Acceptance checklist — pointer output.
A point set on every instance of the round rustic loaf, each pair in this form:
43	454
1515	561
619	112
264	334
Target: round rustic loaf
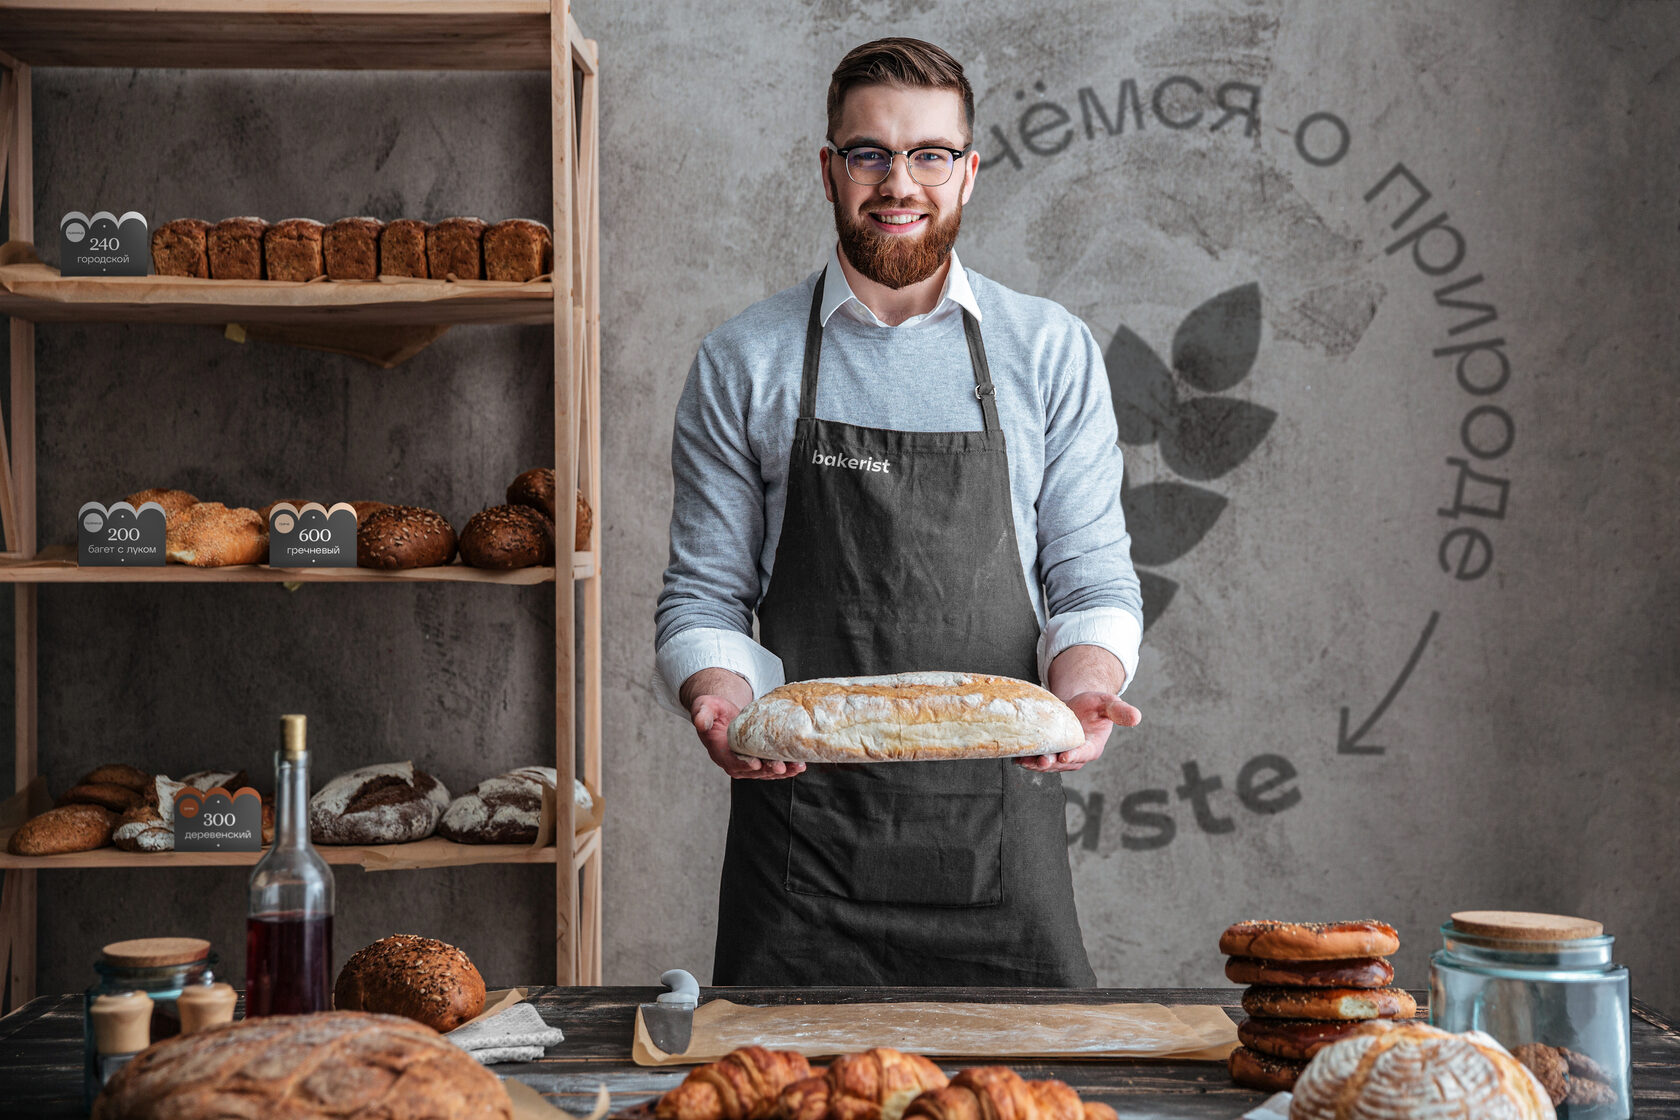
506	809
331	1064
404	537
505	537
69	828
1309	941
904	717
392	803
429	981
1409	1071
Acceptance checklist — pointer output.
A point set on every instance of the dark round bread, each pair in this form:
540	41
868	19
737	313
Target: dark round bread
1297	1039
404	537
1360	972
418	978
391	803
1329	1003
534	488
1309	941
506	537
1262	1071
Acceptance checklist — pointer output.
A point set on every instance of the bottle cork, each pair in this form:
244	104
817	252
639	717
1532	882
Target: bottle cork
292	730
205	1005
122	1024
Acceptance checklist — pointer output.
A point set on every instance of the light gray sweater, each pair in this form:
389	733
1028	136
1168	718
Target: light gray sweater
734	427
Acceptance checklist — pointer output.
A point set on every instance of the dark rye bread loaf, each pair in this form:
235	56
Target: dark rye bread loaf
505	537
235	246
429	981
506	809
181	248
292	249
394	537
454	247
517	249
392	803
350	249
402	249
305	1067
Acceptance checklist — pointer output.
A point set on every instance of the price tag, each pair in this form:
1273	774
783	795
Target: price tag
312	537
218	821
120	535
104	245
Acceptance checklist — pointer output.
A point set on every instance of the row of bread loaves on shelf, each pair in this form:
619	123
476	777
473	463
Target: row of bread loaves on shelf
353	249
519	534
392	803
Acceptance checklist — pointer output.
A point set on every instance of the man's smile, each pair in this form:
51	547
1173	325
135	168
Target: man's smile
898	221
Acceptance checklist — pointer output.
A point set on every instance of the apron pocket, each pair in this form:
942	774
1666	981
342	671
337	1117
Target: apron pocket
922	833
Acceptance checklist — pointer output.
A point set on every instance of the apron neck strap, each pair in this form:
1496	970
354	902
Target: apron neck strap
984	391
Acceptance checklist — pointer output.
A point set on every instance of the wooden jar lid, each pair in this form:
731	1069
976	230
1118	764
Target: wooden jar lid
155	952
1515	925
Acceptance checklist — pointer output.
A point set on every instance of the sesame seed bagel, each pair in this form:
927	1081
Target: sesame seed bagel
1361	972
1328	1003
1309	941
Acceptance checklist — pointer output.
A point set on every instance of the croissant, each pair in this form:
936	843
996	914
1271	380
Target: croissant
863	1086
742	1085
999	1093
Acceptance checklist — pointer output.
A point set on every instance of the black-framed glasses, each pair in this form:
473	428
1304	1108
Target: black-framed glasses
869	166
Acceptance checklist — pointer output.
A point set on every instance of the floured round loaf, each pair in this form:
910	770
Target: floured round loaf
500	810
392	803
904	717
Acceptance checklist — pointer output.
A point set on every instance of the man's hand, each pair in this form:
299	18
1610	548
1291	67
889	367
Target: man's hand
1087	679
713	698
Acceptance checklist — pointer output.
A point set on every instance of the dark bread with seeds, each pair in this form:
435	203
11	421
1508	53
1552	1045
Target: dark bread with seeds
404	537
505	537
429	981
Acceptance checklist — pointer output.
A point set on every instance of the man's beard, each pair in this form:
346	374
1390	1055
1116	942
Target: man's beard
896	261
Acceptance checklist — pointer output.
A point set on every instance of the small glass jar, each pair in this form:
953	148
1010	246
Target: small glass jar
161	968
1564	993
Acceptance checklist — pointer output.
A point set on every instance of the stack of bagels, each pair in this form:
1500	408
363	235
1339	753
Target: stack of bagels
1310	984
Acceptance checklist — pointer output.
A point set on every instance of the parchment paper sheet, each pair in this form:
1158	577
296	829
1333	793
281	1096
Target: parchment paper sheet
955	1030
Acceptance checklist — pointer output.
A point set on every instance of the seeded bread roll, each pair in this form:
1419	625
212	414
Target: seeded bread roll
1333	1004
904	717
517	250
118	773
404	537
174	502
235	248
69	828
211	535
1309	941
118	799
454	247
292	249
505	537
180	248
1363	972
350	249
402	249
418	978
503	810
534	488
391	803
305	1067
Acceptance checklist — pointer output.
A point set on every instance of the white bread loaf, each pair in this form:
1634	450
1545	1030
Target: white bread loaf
904	717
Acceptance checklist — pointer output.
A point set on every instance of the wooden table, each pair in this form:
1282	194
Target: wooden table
41	1052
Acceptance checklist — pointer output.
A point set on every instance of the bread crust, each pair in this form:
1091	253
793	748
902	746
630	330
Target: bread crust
68	828
429	981
1255	1070
1360	972
904	717
1334	1004
1309	941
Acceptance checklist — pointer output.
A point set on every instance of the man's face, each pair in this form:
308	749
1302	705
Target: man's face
898	232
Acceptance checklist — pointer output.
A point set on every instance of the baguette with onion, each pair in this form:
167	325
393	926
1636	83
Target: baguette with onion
905	717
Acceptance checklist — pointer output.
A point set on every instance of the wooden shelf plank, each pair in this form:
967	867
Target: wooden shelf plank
38	293
58	565
431	852
280	34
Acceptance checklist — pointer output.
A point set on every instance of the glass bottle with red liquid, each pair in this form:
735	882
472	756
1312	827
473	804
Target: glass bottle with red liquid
288	927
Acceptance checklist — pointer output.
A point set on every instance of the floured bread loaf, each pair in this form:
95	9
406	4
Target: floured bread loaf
392	803
501	810
905	717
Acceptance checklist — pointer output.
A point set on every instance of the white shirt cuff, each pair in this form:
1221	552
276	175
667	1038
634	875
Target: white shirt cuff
711	647
1116	630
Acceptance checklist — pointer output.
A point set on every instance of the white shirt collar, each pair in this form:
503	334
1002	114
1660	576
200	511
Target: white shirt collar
837	292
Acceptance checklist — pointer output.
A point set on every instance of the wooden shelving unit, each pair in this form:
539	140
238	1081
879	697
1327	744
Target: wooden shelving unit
348	35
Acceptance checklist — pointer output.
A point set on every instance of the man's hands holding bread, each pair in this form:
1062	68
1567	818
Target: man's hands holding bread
911	717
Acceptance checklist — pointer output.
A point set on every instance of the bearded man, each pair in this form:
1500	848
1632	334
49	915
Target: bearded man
886	489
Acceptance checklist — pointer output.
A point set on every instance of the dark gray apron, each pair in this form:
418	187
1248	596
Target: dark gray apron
899	873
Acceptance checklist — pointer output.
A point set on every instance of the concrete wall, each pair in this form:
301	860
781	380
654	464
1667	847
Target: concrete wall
1507	739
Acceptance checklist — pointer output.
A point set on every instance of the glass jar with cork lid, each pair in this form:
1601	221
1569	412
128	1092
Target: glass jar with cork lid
156	968
1546	987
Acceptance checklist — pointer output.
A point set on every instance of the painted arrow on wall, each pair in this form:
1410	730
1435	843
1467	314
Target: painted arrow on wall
1351	744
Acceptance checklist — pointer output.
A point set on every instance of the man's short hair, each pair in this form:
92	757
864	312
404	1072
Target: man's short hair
910	63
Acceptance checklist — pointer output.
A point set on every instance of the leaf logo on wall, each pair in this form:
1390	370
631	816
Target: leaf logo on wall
1202	433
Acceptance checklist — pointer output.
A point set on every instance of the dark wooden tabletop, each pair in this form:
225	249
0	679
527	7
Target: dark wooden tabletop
41	1052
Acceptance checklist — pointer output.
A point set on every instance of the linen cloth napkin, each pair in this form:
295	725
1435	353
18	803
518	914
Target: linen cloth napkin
515	1035
1275	1107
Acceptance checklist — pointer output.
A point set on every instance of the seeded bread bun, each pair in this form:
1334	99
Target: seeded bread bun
505	537
416	977
391	803
1329	1003
69	828
534	488
1309	941
118	773
1362	972
404	537
211	535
